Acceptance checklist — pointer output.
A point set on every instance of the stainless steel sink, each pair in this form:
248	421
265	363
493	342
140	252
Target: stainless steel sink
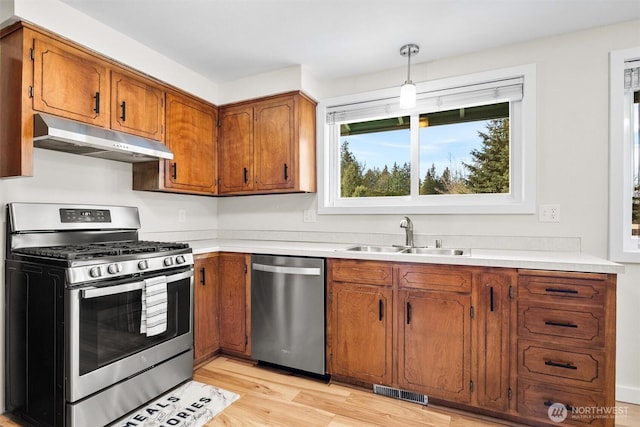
390	249
414	250
437	251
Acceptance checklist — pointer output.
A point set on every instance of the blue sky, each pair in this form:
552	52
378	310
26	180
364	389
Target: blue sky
445	145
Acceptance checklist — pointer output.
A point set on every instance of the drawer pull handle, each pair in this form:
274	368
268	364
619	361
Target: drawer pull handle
560	365
563	325
408	313
491	297
561	291
549	403
380	309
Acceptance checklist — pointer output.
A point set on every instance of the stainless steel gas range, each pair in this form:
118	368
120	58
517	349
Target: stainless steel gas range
97	322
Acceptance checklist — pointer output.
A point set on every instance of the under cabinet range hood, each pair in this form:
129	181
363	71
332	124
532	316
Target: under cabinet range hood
56	133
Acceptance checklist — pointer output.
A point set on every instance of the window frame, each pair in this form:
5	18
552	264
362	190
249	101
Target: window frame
521	199
623	247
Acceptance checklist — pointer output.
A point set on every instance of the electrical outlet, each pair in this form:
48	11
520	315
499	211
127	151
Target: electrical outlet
309	215
549	213
182	215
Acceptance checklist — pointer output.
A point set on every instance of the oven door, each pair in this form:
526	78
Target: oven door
104	342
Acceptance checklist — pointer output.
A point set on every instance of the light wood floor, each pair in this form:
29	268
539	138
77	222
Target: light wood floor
272	398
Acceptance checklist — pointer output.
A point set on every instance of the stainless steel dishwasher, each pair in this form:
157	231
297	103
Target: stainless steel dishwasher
287	312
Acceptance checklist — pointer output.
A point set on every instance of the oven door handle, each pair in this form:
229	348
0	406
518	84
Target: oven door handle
128	287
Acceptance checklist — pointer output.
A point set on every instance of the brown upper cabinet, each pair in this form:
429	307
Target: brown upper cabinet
191	136
137	106
69	83
268	145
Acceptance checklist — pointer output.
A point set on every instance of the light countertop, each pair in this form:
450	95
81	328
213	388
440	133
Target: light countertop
538	260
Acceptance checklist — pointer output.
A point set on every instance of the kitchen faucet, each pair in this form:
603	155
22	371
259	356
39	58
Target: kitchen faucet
408	227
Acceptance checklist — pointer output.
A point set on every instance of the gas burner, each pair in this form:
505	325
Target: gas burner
100	250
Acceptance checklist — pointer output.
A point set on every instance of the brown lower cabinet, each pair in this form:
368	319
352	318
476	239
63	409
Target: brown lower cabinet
206	325
235	303
503	342
360	322
221	305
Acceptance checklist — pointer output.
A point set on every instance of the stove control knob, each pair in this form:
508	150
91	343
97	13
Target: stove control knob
114	268
180	259
168	262
95	272
143	265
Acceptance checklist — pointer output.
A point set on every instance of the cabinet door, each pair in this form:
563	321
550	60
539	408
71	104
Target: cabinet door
234	303
137	107
236	150
274	144
434	344
205	319
191	136
361	332
494	314
69	83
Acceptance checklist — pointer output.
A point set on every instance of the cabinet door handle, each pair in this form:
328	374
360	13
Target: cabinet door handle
408	313
380	309
549	403
123	106
561	324
97	105
202	280
175	171
491	297
561	291
245	175
286	172
560	365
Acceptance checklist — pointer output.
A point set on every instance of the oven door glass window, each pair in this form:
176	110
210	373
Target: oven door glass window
110	325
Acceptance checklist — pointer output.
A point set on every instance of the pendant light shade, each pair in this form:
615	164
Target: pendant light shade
408	95
408	89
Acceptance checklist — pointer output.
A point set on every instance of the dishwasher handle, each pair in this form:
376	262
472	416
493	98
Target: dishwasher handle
279	269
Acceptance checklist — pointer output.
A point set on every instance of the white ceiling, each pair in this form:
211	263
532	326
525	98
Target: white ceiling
228	39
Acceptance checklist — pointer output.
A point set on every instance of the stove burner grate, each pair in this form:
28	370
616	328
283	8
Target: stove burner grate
100	250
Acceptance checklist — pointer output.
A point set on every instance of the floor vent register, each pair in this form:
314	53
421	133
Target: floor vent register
396	393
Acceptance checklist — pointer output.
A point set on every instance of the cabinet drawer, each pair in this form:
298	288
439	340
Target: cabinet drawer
436	278
571	367
569	289
362	272
535	399
557	324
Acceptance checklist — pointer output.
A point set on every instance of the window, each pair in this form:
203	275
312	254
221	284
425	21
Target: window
467	147
624	168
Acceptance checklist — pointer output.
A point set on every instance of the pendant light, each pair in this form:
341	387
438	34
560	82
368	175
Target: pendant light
408	89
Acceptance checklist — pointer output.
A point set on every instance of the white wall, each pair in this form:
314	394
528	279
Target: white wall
572	171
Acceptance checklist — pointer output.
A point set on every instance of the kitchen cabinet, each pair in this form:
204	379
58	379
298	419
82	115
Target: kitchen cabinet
434	328
493	337
235	303
359	318
268	145
236	149
499	341
191	136
566	344
205	300
137	106
69	83
46	73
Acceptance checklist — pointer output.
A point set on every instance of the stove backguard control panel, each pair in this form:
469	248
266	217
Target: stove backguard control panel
85	215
